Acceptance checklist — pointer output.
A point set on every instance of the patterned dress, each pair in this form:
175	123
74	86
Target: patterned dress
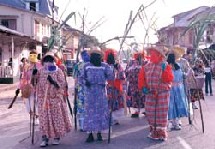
96	114
52	109
194	94
80	98
115	88
137	97
178	104
158	83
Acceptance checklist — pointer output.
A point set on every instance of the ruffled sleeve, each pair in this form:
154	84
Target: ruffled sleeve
141	79
167	75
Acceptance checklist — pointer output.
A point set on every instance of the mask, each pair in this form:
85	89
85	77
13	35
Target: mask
51	67
33	58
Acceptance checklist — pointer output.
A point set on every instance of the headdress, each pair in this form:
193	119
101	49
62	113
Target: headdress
85	56
110	56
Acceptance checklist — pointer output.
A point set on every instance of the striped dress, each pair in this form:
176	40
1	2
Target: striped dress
157	100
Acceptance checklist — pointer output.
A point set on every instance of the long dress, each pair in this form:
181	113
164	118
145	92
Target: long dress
96	114
80	96
52	109
115	88
158	82
137	97
178	105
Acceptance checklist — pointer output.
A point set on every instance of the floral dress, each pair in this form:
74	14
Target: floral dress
96	113
137	97
52	109
115	89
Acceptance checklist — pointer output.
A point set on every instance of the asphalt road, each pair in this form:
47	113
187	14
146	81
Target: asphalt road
130	134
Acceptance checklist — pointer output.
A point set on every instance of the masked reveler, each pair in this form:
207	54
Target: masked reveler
53	114
115	87
95	75
155	80
27	85
80	86
178	104
132	71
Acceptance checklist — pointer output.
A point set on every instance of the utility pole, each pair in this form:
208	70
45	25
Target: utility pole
53	8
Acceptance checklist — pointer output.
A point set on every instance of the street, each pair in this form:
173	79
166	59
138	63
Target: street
130	134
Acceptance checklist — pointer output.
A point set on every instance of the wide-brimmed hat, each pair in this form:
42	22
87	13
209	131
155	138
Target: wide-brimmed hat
96	50
162	49
177	50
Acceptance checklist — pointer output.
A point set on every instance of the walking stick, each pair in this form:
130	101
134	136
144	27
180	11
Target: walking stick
188	100
200	108
156	103
110	116
75	107
14	99
34	109
69	105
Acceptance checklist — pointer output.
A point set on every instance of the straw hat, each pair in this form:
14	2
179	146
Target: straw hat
162	49
179	51
96	50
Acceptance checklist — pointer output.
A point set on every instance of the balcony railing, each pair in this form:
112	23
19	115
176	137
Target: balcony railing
6	70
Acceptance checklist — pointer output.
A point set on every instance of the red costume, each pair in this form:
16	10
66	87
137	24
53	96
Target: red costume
155	80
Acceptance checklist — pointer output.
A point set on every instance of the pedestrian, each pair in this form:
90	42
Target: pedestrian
178	104
137	97
95	75
53	114
196	91
155	80
115	87
80	86
179	52
208	79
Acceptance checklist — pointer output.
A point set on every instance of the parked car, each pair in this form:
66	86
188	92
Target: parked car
70	63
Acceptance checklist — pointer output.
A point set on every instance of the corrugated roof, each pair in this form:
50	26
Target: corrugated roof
186	17
44	5
10	31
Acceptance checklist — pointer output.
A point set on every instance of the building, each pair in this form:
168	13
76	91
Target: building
173	34
29	18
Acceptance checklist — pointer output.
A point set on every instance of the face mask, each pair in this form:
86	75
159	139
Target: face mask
33	58
49	66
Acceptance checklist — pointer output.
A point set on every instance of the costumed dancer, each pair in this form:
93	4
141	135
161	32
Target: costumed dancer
53	114
80	86
115	87
95	75
155	80
178	104
137	97
28	86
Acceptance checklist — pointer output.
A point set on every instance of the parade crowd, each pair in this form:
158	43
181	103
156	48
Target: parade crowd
157	82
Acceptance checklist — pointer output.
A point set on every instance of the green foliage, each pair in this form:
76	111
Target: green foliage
55	38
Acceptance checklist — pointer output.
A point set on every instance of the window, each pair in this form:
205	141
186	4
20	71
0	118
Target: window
9	23
33	6
5	23
37	28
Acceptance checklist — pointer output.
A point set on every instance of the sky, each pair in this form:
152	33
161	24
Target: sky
115	15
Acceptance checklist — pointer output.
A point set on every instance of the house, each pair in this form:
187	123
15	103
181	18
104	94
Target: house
14	42
173	34
31	18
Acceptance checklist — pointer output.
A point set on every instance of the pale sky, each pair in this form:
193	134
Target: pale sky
116	13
